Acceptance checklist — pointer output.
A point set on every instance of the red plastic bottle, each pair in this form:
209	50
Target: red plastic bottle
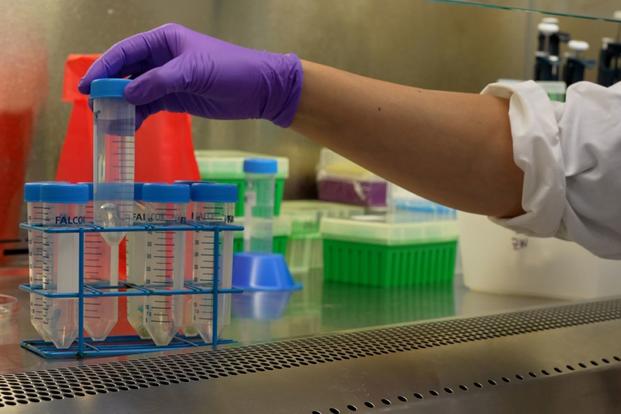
15	138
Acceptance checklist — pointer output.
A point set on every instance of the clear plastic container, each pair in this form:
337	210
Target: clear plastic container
100	314
165	251
135	264
304	248
227	166
62	206
498	260
259	216
113	161
212	203
281	230
34	207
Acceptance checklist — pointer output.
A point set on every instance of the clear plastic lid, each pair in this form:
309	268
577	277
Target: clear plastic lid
225	164
373	229
282	226
326	208
334	165
305	215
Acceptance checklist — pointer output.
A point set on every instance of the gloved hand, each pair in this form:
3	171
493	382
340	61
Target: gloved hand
179	70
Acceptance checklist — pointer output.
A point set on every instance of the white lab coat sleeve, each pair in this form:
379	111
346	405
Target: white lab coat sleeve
571	158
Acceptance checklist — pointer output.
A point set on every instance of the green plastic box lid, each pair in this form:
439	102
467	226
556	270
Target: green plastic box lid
229	164
375	230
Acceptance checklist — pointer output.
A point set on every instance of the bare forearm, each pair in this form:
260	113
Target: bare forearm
452	148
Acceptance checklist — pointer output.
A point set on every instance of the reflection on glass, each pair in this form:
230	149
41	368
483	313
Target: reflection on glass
323	307
260	305
347	306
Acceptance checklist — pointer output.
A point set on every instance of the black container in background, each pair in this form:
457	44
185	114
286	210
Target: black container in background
609	68
545	69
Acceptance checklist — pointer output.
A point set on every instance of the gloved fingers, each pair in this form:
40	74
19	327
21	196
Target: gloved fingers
158	82
135	70
122	57
112	62
177	102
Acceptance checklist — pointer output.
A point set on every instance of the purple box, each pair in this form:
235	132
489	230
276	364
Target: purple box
361	193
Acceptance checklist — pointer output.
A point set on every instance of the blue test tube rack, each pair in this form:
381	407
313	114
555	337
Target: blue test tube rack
128	344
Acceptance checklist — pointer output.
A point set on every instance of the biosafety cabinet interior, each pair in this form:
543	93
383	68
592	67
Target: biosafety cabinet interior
341	343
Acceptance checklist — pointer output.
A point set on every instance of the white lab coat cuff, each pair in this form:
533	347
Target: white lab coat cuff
537	152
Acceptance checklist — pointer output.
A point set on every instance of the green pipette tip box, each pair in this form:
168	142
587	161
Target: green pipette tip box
389	254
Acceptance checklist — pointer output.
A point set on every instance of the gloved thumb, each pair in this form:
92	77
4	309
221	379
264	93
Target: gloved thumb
156	83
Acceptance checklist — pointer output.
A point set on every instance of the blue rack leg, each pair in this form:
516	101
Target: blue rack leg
114	346
81	294
216	286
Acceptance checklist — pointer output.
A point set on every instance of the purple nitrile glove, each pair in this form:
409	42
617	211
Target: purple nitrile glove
179	70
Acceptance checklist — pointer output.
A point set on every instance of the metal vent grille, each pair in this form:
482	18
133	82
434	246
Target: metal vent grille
72	382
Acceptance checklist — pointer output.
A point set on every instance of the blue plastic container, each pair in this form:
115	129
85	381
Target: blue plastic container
262	272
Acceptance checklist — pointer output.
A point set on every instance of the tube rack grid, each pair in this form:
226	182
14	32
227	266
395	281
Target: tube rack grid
128	344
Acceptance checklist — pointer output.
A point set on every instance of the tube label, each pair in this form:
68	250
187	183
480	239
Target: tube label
69	220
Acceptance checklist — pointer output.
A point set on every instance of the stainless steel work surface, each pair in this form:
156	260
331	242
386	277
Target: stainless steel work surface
557	359
339	348
561	358
263	317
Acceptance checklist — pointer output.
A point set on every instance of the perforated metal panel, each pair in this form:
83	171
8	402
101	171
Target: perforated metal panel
74	382
481	384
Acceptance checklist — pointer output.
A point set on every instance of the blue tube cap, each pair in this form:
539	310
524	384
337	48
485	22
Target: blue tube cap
138	191
64	193
108	88
32	192
260	166
262	271
214	192
90	189
166	193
